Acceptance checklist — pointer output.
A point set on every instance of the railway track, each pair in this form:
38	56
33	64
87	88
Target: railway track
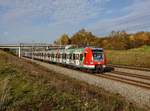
139	92
117	76
129	67
132	75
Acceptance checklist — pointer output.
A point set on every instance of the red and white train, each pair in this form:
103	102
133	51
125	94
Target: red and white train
90	59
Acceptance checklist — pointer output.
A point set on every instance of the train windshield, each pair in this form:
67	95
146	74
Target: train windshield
97	55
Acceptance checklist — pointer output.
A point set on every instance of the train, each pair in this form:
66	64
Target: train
87	59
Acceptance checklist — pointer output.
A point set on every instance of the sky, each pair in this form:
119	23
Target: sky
27	21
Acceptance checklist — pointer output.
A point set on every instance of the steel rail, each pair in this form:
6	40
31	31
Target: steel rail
123	80
129	67
127	81
131	75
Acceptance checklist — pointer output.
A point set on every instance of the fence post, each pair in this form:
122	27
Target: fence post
19	52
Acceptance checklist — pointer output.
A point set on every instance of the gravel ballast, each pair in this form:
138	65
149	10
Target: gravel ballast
134	94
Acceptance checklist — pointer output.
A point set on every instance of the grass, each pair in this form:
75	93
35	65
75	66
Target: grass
139	57
25	86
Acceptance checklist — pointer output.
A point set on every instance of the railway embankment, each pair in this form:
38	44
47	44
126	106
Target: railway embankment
133	93
25	85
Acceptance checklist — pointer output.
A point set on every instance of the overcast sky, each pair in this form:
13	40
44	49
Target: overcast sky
46	20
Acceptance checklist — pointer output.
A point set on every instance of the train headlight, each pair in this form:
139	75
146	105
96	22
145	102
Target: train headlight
104	66
91	62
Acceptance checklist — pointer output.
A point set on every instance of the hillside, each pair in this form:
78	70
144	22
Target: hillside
27	86
134	57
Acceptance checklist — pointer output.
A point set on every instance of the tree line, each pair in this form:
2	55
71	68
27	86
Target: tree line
118	40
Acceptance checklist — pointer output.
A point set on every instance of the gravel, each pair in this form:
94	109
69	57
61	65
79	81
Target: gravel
132	93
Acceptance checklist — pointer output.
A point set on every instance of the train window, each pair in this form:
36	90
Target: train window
98	56
48	55
64	56
84	54
77	56
59	55
52	55
73	56
70	56
81	57
97	51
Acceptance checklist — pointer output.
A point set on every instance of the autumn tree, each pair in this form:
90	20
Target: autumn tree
63	40
83	38
117	40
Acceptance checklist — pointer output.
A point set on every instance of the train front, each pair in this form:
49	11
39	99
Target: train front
94	59
99	59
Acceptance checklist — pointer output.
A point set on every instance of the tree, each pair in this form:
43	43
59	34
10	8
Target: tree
63	40
139	39
83	38
117	40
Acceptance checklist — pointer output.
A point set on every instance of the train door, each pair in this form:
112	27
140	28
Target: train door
81	59
54	57
68	58
48	56
77	59
64	57
60	59
57	57
72	58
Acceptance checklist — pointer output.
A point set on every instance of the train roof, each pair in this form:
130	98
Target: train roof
97	48
77	49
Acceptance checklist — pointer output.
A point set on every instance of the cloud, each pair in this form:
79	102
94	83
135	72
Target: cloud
25	19
53	10
136	19
45	20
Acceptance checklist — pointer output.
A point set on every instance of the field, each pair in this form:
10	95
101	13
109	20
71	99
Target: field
135	57
25	86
